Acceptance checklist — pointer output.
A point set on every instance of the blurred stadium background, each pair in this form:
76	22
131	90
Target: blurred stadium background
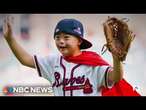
34	32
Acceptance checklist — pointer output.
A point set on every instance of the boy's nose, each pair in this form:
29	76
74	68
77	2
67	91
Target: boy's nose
61	41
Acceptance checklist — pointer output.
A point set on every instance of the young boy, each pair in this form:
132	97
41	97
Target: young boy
74	72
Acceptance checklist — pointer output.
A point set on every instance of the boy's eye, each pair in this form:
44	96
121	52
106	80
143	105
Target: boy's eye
57	37
66	36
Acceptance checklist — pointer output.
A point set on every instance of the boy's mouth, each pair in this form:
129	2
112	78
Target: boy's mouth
62	47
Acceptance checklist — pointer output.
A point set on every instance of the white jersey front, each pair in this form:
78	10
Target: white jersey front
70	79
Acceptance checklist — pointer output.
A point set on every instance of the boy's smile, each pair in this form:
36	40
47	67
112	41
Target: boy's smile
67	44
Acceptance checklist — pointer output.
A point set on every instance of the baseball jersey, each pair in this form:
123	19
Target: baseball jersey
70	79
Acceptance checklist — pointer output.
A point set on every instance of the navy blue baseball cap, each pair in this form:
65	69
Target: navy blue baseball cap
72	27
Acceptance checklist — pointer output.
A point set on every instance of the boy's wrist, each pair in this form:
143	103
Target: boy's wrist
8	38
116	58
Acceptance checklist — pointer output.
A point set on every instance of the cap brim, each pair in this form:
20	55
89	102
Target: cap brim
85	44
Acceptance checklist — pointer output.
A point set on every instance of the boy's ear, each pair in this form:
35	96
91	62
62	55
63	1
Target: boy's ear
80	41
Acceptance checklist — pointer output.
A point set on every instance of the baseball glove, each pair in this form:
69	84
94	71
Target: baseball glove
118	37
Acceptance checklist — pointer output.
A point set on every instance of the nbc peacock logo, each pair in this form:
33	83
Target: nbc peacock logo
8	91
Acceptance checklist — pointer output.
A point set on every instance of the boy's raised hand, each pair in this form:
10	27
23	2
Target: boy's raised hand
7	27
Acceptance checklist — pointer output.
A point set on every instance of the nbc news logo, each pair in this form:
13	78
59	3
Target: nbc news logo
24	90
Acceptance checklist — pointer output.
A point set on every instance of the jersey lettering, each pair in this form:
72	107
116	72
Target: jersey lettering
66	82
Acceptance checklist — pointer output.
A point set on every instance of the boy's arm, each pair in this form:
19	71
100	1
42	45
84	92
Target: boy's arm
24	57
117	73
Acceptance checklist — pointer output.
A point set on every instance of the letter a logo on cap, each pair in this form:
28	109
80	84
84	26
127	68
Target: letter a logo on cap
78	30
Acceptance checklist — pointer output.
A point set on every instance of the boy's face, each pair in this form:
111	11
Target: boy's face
67	44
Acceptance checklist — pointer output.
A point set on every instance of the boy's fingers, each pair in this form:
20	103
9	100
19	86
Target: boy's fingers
5	28
7	25
9	19
12	19
4	25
